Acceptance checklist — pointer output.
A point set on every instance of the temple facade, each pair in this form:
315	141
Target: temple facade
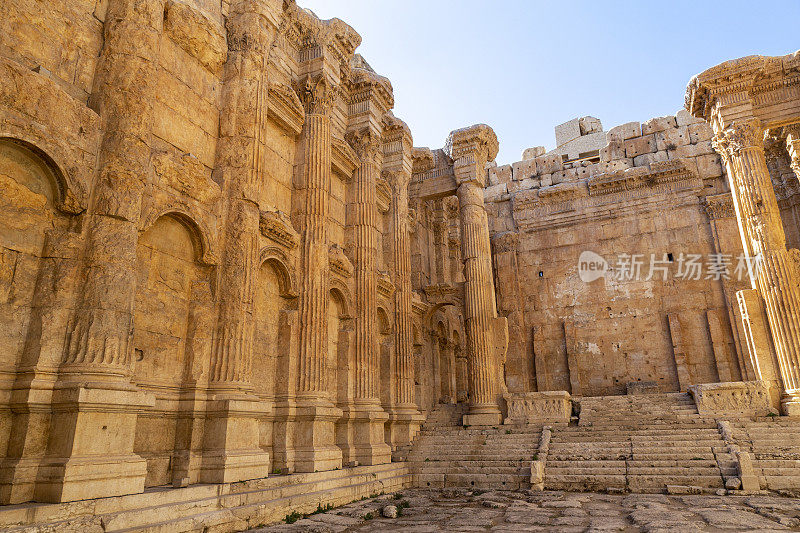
222	258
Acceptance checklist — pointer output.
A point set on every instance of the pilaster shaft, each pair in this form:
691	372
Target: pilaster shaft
315	286
404	380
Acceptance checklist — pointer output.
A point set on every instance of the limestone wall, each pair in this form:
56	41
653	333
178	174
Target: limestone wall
657	189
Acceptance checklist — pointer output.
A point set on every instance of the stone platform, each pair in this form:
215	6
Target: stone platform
219	507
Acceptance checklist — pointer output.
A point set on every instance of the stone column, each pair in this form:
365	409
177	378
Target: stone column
90	450
368	416
316	414
776	280
470	148
440	234
231	449
404	415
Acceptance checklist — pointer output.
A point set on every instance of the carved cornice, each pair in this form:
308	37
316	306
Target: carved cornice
367	87
719	206
423	159
759	80
344	160
603	195
277	226
418	306
285	109
340	265
384	283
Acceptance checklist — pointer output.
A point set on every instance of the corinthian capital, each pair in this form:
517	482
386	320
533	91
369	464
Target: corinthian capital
470	148
317	94
740	135
365	142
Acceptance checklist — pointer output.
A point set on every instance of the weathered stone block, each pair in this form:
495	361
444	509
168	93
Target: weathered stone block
737	398
654	125
625	131
535	407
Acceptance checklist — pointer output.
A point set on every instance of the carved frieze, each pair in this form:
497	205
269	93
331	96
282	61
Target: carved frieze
719	206
385	285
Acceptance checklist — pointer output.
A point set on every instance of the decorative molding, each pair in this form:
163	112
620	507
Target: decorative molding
383	194
285	109
344	160
384	282
340	265
277	226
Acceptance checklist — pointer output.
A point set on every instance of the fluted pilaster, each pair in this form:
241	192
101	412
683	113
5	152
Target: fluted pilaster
364	222
404	379
315	286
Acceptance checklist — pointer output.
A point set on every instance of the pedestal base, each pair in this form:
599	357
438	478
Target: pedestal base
403	425
790	403
230	441
90	453
483	415
314	438
368	437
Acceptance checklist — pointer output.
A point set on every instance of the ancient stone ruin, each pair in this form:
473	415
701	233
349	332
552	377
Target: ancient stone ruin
231	287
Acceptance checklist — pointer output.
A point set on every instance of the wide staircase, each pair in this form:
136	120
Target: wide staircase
774	443
446	454
638	443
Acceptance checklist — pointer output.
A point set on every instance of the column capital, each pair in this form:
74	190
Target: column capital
317	93
739	135
470	149
365	141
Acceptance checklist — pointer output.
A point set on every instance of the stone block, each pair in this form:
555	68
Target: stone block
624	132
640	145
523	169
671	139
548	164
709	166
532	153
654	125
684	118
612	151
700	132
648	159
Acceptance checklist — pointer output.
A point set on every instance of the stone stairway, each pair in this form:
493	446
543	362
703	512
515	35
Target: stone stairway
448	455
638	443
774	443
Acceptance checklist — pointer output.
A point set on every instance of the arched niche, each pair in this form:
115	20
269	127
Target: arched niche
172	307
32	192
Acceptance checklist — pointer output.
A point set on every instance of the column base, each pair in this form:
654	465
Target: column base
315	437
230	440
368	435
404	424
90	453
483	415
790	403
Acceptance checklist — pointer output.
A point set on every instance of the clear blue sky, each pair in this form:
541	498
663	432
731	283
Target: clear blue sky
525	66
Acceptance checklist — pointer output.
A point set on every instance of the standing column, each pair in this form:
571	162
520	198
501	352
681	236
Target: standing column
369	418
231	449
316	414
763	236
470	150
404	416
440	242
90	450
